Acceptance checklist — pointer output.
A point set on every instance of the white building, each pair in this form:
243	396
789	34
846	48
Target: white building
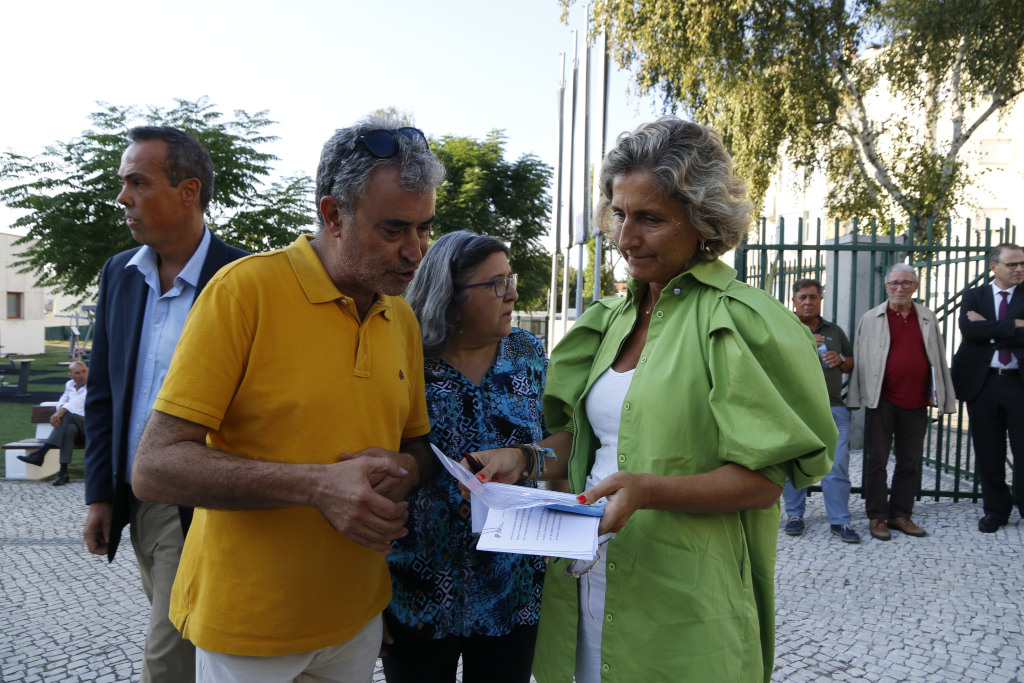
26	310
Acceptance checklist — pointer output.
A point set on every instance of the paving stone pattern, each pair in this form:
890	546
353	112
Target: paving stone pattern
943	608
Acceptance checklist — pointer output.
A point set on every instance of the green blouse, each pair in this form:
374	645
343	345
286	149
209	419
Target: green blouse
727	375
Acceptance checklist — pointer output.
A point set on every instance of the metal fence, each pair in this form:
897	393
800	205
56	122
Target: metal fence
949	260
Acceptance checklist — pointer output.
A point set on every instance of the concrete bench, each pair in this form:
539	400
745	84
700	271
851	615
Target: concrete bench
16	469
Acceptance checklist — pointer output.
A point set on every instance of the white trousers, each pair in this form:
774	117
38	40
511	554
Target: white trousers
348	662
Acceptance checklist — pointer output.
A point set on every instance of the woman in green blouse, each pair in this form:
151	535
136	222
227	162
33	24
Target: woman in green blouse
685	405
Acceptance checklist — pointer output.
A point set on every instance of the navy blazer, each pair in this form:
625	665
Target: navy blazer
119	314
982	338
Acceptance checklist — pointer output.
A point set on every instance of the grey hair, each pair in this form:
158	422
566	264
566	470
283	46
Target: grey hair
900	266
997	251
345	167
435	293
808	282
689	163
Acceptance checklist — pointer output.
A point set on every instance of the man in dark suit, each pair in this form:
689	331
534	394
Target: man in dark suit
987	375
145	296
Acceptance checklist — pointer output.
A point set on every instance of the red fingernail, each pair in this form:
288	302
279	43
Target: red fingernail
581	498
481	476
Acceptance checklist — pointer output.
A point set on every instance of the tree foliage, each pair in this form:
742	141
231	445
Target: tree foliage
487	194
607	274
68	192
882	94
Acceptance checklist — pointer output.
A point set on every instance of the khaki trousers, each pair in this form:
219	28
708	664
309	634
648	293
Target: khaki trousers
157	539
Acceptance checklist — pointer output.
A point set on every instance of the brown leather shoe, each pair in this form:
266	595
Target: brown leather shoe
907	526
878	530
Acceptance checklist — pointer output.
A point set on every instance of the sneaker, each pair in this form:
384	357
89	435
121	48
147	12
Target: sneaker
795	526
846	533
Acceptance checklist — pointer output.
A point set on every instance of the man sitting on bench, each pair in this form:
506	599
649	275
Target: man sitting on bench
68	422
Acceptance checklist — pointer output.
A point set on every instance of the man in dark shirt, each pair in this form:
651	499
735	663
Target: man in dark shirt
836	360
901	370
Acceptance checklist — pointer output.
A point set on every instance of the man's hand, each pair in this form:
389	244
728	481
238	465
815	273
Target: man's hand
975	317
347	499
393	488
55	418
97	527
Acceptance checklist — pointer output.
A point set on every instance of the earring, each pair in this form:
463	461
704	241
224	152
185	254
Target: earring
703	246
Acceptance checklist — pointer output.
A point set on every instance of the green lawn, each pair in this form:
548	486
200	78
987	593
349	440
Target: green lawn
15	418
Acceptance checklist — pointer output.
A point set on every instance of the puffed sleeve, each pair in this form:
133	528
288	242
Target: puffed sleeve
768	392
571	362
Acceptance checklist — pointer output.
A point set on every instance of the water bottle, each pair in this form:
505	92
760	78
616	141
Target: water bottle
822	350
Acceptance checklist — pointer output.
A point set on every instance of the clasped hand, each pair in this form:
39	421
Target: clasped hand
360	497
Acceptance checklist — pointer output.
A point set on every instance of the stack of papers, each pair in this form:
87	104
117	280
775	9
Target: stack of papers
528	521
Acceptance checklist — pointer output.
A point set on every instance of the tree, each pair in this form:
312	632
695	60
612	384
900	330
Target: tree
607	273
800	75
74	224
486	194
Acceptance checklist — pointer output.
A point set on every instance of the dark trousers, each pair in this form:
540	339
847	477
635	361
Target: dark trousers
485	659
998	411
63	436
890	427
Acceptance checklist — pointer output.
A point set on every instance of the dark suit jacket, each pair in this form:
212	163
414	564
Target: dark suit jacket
982	338
115	347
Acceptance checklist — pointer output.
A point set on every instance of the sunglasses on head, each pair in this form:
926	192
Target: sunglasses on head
383	143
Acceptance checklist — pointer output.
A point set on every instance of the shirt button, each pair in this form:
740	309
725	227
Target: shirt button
611	566
609	618
344	302
643	359
622	458
625	406
605	667
661	314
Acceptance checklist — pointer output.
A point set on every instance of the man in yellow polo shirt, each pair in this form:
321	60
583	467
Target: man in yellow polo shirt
292	417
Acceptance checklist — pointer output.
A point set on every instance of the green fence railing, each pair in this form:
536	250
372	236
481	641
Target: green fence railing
851	259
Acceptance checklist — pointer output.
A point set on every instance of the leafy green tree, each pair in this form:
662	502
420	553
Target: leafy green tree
810	78
68	192
487	194
607	275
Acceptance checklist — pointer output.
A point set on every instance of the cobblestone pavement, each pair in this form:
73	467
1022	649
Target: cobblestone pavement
943	608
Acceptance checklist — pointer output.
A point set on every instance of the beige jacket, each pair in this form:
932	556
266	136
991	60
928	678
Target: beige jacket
871	349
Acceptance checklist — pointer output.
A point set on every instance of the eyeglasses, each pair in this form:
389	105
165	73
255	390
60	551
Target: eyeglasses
1012	266
383	143
500	284
578	568
900	284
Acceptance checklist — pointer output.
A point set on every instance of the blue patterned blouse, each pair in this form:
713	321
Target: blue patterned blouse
442	585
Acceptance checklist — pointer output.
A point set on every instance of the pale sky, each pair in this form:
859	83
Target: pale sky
461	67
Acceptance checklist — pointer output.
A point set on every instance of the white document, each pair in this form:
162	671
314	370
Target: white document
540	531
517	519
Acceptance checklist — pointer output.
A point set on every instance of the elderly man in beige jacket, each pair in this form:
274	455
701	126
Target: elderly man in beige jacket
901	370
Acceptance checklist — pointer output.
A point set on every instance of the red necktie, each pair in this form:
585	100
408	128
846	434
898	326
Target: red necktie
1004	354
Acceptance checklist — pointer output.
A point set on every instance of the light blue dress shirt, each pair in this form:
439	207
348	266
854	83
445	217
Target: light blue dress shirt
161	327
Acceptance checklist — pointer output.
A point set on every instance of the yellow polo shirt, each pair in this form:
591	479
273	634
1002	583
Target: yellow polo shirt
275	361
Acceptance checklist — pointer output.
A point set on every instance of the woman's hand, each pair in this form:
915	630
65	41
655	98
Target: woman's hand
504	465
626	492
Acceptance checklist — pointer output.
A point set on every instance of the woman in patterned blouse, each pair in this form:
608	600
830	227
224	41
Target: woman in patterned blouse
484	380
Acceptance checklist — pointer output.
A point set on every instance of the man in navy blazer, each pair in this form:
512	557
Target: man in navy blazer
987	375
145	295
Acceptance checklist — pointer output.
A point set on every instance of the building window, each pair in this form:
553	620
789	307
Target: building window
14	311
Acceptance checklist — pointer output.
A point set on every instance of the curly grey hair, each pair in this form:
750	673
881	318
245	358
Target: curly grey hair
689	163
435	293
345	167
